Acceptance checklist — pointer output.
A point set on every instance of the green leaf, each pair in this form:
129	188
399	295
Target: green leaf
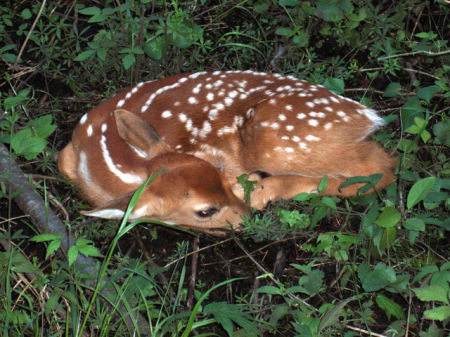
89	250
269	290
331	316
379	278
42	126
390	307
85	55
329	202
72	254
13	101
227	314
335	85
261	6
426	270
333	10
128	61
52	247
388	218
419	191
427	93
26	14
284	3
46	237
283	31
155	47
392	90
442	131
23	143
323	184
440	313
414	225
90	11
432	293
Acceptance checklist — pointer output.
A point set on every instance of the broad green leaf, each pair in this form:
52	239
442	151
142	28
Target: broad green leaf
284	3
155	47
42	126
427	93
442	131
89	250
432	293
390	307
9	102
414	225
388	218
379	278
335	85
26	14
392	90
426	270
261	6
333	10
419	191
387	238
440	313
128	61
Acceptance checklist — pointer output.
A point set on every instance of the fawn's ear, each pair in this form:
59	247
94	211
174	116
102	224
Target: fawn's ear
115	209
139	134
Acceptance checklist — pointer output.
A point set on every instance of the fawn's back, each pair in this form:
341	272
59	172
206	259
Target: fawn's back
205	129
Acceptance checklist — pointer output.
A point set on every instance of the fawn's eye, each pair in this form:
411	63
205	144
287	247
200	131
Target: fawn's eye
206	213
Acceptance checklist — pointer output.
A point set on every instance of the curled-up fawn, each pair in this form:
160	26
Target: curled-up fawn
207	128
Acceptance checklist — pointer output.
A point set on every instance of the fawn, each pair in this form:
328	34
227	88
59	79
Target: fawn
207	128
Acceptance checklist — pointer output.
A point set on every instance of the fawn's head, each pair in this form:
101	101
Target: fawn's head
188	191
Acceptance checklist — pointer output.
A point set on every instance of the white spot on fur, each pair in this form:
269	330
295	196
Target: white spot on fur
289	127
192	100
166	114
328	126
83	119
182	117
281	117
213	114
301	115
104	127
121	103
311	138
228	101
89	131
313	122
210	96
